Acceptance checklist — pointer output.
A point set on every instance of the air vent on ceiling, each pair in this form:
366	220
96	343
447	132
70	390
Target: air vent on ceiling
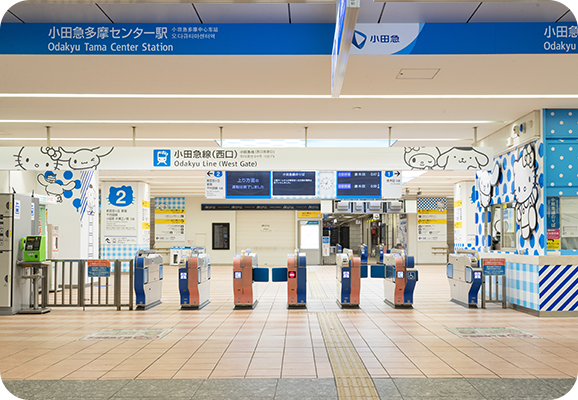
417	73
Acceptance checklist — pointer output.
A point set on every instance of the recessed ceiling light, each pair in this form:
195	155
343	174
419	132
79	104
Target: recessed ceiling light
357	108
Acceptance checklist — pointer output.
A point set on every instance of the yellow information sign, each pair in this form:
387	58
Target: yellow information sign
309	214
146	225
146	204
457	203
458	225
553	244
169	221
431	211
432	221
170	211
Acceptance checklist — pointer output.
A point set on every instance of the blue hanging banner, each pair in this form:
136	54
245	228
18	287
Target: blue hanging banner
287	39
169	39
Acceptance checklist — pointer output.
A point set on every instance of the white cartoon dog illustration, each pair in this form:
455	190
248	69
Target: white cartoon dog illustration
526	191
462	158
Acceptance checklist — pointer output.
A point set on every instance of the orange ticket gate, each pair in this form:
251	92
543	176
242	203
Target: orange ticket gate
194	282
245	273
296	277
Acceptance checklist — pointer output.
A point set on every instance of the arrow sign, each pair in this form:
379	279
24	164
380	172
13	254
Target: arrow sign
391	188
215	185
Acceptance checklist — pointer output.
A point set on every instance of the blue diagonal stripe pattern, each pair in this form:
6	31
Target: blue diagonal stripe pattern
558	287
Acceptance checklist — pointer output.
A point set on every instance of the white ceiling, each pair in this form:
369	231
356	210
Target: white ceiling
277	75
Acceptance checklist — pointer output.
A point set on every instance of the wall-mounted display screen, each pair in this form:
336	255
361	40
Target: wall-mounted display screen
248	184
296	183
359	184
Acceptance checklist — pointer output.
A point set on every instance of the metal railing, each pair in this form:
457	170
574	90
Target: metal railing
71	283
494	296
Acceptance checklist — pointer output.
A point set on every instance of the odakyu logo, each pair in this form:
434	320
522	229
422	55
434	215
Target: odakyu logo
121	197
359	39
162	158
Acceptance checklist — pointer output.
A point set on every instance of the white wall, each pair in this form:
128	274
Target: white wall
5	182
199	222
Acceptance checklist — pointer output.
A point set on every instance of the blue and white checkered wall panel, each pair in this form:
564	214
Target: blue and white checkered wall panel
170	202
522	285
121	252
504	193
432	203
559	288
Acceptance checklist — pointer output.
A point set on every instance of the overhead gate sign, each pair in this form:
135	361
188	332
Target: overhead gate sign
243	159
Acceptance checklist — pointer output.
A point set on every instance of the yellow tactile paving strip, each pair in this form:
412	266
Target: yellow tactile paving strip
316	291
351	377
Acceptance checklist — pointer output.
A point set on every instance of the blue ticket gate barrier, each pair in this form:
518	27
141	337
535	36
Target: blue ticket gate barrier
400	278
148	279
194	282
363	253
349	272
296	277
465	277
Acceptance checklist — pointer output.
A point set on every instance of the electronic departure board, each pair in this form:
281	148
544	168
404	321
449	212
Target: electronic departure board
248	184
359	184
297	183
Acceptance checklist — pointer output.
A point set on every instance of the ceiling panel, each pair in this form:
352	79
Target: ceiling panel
519	12
10	18
151	13
568	17
408	12
59	13
369	12
302	13
243	13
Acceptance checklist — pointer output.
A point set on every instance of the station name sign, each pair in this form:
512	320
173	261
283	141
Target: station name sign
245	159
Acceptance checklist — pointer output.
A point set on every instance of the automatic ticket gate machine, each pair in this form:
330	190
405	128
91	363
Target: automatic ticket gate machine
296	277
148	279
246	272
363	253
194	282
381	249
465	277
400	278
349	274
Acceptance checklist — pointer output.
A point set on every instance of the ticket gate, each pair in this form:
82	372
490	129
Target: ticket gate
349	274
363	253
175	255
148	279
296	277
381	249
339	249
194	282
465	277
400	278
246	272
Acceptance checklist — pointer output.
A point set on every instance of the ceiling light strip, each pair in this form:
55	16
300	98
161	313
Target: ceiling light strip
104	121
284	96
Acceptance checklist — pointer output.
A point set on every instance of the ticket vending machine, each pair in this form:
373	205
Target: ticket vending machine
465	277
246	272
399	277
296	277
148	279
194	282
348	279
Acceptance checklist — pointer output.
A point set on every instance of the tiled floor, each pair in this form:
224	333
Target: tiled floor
274	345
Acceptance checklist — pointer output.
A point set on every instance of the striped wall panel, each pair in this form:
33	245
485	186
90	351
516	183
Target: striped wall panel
559	288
